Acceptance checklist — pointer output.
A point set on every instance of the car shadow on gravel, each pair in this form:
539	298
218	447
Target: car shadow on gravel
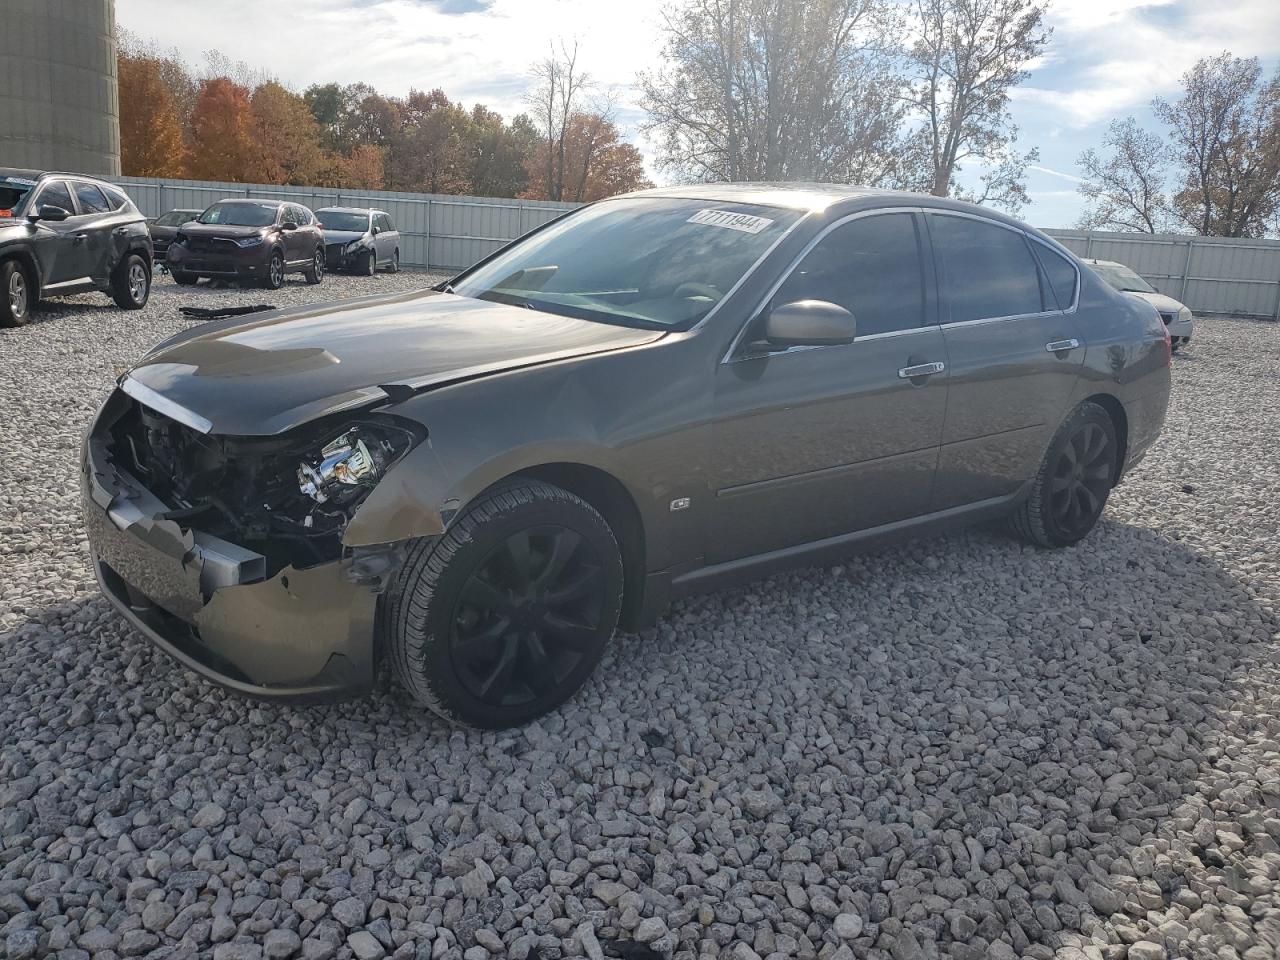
976	740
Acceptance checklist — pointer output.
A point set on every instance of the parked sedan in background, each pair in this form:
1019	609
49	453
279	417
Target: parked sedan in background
249	241
1176	316
360	239
165	227
653	394
65	233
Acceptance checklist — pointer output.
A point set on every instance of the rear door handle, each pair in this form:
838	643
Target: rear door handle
921	370
1054	346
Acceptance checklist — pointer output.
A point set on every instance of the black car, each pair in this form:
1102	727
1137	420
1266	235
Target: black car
165	227
66	233
250	241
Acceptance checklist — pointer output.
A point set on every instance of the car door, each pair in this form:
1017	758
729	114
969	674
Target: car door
311	234
385	241
813	442
292	238
92	233
65	258
1015	357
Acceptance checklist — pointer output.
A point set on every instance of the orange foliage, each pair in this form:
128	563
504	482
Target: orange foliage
598	163
286	137
222	145
150	128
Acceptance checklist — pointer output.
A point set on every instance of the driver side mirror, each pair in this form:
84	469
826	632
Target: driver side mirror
49	212
809	323
288	225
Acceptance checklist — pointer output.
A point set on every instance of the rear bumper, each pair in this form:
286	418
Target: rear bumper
298	635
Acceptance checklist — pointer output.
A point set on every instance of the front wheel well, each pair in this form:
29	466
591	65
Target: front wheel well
1120	420
30	267
606	494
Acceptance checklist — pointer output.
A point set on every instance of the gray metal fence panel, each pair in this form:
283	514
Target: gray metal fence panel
1208	274
437	231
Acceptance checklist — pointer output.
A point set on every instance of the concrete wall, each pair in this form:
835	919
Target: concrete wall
59	103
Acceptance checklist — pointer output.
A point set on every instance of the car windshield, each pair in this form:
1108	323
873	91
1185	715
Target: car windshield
240	214
343	220
1123	279
12	192
176	218
644	262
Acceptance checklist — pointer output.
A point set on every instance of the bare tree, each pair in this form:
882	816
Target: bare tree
967	55
562	84
763	90
1226	127
1125	190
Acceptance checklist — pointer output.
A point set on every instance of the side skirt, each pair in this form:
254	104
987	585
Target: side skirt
661	588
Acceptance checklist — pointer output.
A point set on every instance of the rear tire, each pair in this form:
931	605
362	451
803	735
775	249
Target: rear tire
395	263
1073	483
506	615
131	282
17	294
315	273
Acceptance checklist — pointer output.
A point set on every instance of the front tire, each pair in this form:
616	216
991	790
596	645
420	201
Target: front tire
1075	478
17	295
184	279
368	264
315	273
274	279
131	283
506	615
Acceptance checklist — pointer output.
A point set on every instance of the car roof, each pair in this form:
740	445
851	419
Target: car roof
1107	263
817	197
40	174
352	209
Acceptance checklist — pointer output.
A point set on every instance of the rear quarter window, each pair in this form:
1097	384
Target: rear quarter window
1061	274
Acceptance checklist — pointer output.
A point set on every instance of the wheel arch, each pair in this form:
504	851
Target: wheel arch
1120	420
29	263
607	494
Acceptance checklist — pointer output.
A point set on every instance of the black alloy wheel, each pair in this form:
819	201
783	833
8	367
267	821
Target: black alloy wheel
505	615
527	615
1075	479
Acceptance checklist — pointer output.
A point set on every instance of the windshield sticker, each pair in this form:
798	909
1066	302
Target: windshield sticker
20	181
744	222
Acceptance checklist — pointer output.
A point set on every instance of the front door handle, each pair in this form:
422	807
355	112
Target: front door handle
80	238
921	370
1056	346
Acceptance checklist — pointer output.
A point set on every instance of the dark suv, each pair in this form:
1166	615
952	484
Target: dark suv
249	241
64	233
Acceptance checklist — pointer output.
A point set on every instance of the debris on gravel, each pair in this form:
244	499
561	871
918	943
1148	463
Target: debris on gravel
960	747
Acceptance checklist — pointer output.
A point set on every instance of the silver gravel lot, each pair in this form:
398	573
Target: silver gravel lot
961	747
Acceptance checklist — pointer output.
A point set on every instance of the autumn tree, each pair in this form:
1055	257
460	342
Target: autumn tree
562	85
598	163
1226	133
966	57
495	153
286	137
757	90
222	124
1125	185
427	152
151	141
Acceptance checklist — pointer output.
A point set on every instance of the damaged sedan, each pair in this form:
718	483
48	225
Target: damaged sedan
477	484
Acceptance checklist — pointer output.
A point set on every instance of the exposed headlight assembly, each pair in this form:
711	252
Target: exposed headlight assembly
353	462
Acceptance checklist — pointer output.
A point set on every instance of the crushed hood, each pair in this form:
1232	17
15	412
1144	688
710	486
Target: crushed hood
267	374
342	236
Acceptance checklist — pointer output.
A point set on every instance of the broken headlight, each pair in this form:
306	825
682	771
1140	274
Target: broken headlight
351	463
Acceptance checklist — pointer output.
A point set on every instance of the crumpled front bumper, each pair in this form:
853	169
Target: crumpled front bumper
298	635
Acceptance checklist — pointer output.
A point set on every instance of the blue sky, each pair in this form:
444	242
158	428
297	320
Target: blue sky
1106	59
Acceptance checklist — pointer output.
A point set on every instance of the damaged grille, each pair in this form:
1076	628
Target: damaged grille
242	489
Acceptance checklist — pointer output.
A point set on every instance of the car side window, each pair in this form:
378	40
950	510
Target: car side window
114	197
287	214
1061	274
872	267
91	198
988	270
304	216
386	222
55	194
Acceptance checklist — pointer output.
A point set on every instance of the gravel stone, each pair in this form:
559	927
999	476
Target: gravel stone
954	748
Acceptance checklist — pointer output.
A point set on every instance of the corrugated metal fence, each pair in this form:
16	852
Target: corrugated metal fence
1208	274
436	230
